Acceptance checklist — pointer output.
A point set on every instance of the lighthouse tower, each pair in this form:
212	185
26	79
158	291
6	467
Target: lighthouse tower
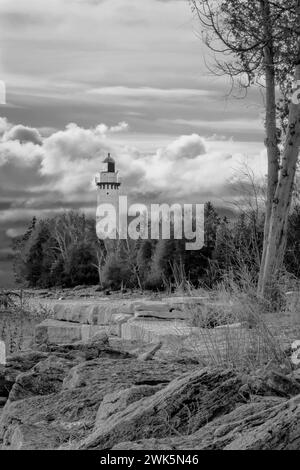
108	184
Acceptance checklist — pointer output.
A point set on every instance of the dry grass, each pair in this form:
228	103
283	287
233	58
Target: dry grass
18	319
234	330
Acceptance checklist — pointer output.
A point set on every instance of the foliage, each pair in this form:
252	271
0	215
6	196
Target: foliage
64	251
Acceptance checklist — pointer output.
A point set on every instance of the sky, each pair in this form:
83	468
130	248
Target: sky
130	77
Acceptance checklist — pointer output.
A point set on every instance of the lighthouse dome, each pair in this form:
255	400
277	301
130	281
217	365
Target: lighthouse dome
109	164
109	159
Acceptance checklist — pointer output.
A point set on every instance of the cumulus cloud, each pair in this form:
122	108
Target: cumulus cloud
66	161
187	146
24	134
58	172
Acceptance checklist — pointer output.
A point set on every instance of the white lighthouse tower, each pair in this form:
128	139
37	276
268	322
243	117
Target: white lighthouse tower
108	184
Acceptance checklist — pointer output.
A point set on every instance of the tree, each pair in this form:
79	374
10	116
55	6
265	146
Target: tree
260	42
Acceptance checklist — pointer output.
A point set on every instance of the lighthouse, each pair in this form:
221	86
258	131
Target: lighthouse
108	184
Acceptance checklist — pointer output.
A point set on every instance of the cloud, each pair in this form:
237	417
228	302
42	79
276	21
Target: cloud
24	134
147	92
64	163
187	146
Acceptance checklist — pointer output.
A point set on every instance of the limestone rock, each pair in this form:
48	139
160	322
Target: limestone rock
154	331
118	401
123	372
58	332
71	413
273	383
54	331
34	437
99	313
215	435
173	314
184	406
182	302
44	378
152	306
16	364
149	355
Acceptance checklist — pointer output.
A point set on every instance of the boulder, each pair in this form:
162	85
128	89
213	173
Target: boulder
79	352
215	435
34	437
150	353
185	405
71	413
124	372
154	331
98	313
55	331
209	410
16	364
44	378
119	401
58	332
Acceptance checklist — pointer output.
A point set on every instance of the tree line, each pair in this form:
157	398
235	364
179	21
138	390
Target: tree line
64	251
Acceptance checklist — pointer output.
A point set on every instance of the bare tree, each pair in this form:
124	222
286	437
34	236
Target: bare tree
259	43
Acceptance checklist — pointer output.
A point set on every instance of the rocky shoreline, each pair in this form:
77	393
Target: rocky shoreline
96	396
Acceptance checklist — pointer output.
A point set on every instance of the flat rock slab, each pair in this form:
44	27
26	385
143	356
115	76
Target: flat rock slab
99	313
181	340
185	300
154	306
61	332
165	315
154	331
158	309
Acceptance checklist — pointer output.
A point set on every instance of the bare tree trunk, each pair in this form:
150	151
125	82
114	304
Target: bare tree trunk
271	128
276	240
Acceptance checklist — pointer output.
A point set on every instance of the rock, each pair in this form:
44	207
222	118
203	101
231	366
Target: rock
148	355
122	372
272	383
34	437
54	331
80	352
58	332
164	315
184	406
70	412
16	364
132	346
100	337
296	375
217	434
154	331
98	313
153	306
3	400
182	302
118	401
44	378
280	430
